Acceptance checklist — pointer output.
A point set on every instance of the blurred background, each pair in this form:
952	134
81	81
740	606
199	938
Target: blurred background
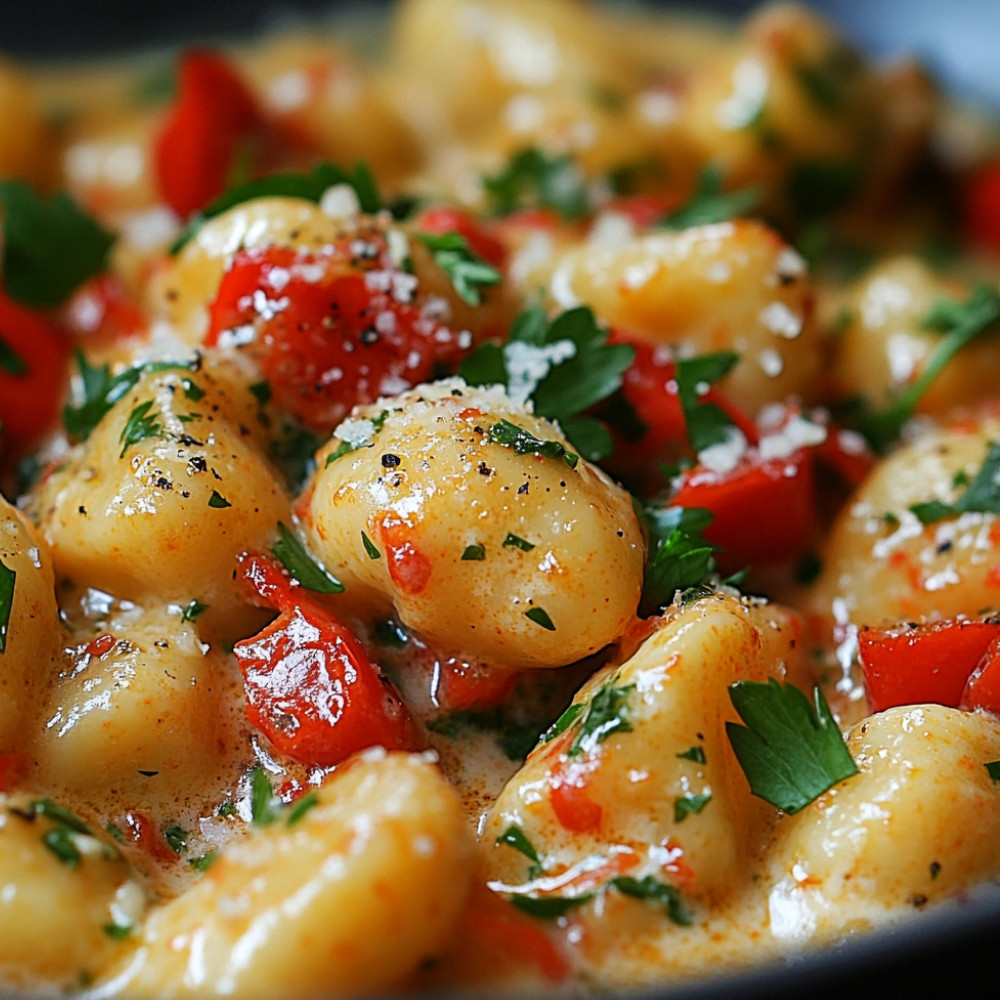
958	40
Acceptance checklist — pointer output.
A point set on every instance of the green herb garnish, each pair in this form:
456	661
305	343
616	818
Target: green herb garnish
264	806
119	932
791	751
10	361
707	423
176	839
680	556
687	805
140	426
291	553
589	372
959	323
540	617
50	246
513	541
300	807
204	861
654	891
373	553
515	837
218	501
466	271
59	840
607	712
710	204
474	553
695	753
533	179
7	580
981	496
525	443
193	610
993	769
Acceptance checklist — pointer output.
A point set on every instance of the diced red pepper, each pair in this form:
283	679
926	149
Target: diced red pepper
213	115
329	331
981	206
660	437
33	355
763	509
930	662
310	687
983	687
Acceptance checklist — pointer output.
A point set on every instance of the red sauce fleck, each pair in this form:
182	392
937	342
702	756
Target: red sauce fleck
409	568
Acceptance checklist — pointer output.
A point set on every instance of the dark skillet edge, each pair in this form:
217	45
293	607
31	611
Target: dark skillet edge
942	952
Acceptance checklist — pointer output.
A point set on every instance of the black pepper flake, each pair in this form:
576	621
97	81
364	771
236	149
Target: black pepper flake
368	336
197	464
162	483
522	489
148	774
484	469
945	546
390	461
82	510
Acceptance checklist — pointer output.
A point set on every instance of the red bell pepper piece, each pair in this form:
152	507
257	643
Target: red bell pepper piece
933	662
763	509
213	115
981	206
310	687
33	354
329	331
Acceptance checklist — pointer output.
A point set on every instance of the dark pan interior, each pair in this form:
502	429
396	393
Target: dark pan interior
945	954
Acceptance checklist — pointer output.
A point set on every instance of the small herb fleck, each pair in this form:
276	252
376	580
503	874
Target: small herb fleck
695	753
474	553
686	805
373	553
291	553
513	541
300	807
218	501
193	610
540	617
139	426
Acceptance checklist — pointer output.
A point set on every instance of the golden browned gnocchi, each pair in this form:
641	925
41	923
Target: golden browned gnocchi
512	515
546	552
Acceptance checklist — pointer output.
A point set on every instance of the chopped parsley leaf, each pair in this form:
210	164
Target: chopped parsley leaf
119	932
193	610
114	832
7	580
474	553
176	839
203	862
707	423
59	840
373	553
50	246
680	557
227	808
548	907
791	751
300	807
982	494
533	179
540	617
513	541
993	769
607	712
291	553
651	889
695	753
515	736
261	391
710	204
264	806
139	427
525	443
218	501
10	361
192	391
686	805
591	371
959	323
515	837
466	271
563	722
58	814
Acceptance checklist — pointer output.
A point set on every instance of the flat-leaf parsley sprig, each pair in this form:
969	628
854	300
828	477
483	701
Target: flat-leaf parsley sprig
790	750
563	367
